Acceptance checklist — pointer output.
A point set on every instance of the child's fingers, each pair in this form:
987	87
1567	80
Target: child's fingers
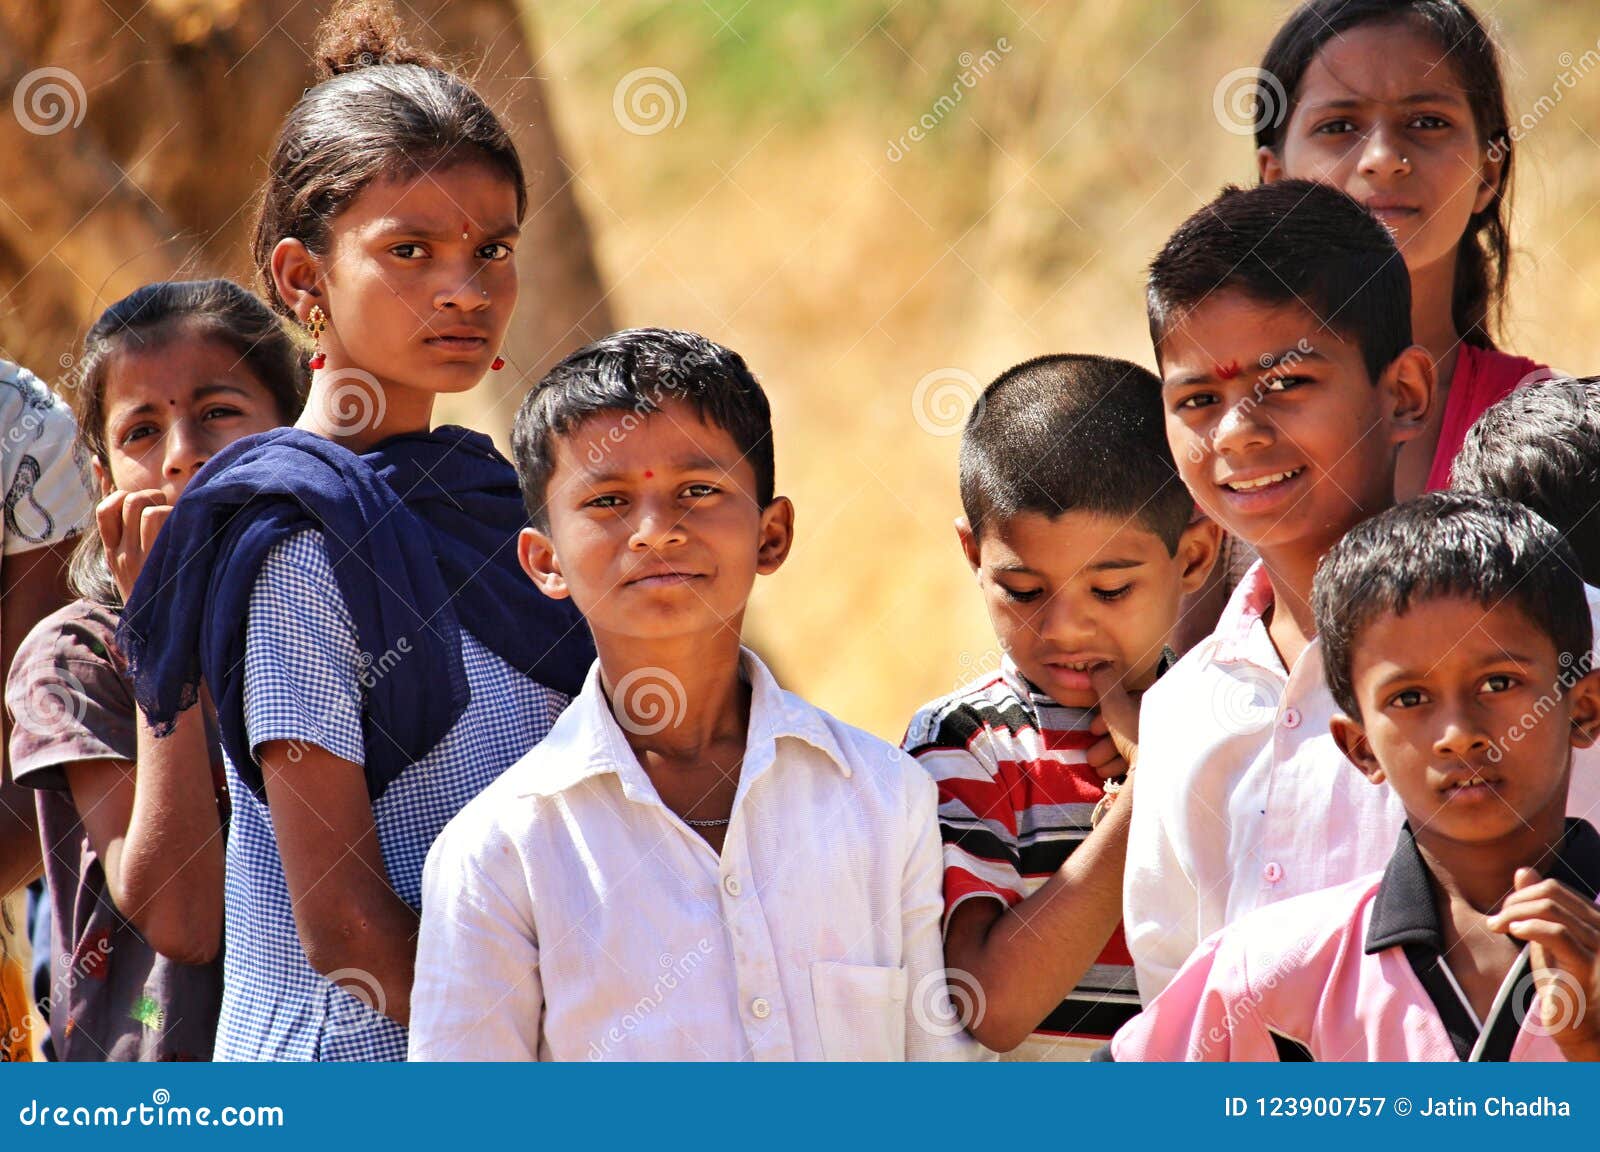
108	518
1120	710
1556	946
150	524
1104	757
133	511
1549	900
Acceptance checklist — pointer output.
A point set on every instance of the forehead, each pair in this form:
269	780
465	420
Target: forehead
1069	542
1389	62
1230	334
440	199
627	442
1436	633
173	369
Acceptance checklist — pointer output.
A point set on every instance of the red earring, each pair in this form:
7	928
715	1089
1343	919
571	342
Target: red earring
499	363
315	324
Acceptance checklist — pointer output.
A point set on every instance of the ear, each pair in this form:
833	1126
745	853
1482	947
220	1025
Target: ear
537	555
777	535
1494	170
1408	384
1198	548
102	478
969	543
1585	698
297	275
1351	738
1268	165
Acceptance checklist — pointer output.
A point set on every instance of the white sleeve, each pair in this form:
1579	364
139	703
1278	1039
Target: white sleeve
477	993
1160	902
935	1027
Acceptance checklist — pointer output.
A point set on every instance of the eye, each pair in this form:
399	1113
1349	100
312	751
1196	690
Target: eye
1027	596
1333	128
1195	400
139	432
495	251
1429	122
696	491
604	502
1283	383
1112	594
408	251
1407	698
1499	682
219	411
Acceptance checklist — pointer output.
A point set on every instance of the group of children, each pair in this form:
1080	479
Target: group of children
361	742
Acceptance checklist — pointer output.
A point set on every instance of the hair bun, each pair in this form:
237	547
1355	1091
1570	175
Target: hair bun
363	34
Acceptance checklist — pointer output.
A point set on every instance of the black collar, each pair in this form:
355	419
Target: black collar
1404	911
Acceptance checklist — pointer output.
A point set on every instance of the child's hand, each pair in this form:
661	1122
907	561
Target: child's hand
1562	930
128	523
1116	722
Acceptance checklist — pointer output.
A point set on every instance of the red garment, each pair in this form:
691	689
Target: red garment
1482	376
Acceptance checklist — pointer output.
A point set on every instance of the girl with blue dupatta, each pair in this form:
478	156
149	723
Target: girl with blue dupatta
348	590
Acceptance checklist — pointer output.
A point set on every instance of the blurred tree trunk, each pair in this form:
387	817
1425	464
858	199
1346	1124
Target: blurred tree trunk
137	133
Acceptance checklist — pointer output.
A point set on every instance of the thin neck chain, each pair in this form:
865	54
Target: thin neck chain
708	823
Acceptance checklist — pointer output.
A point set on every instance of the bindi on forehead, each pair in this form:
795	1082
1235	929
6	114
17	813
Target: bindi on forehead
1226	371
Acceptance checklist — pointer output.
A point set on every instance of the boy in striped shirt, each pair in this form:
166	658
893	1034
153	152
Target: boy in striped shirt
1084	541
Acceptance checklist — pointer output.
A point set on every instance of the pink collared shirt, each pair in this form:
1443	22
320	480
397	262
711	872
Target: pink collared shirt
1244	799
1351	973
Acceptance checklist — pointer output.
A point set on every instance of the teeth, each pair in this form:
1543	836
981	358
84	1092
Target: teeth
1247	485
1469	782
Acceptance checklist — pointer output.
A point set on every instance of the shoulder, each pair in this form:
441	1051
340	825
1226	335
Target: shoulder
958	720
81	631
1305	933
1492	374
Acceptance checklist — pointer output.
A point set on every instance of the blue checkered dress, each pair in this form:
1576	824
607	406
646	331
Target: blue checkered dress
305	678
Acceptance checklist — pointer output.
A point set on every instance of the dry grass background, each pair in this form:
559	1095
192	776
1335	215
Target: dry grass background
771	218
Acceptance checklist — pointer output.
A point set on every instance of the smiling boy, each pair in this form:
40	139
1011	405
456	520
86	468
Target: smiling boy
1457	641
695	864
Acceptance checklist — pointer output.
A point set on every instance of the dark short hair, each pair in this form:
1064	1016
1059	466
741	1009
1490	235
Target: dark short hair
1290	243
638	370
1540	446
1447	544
1483	258
1072	433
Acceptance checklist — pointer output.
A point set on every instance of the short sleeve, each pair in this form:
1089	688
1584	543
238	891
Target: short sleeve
977	820
48	497
68	698
302	662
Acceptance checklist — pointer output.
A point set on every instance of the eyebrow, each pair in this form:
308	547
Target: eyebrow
398	227
1113	565
1342	102
1262	365
687	464
204	392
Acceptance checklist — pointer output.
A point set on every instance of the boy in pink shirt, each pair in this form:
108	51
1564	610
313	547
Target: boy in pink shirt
1456	637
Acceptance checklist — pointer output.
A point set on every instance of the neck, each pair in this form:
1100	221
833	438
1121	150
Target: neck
1433	323
1291	625
1480	874
354	408
687	686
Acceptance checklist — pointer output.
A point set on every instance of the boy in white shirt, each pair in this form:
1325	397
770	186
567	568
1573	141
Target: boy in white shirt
694	864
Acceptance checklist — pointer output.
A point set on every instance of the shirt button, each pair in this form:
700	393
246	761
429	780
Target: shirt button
1272	873
1291	718
759	1008
731	886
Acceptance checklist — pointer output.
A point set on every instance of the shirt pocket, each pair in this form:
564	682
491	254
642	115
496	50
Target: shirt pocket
861	1011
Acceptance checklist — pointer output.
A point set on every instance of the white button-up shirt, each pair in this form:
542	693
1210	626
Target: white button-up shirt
1244	799
569	915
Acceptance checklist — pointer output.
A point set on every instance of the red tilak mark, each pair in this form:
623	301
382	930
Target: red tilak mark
1227	371
464	227
649	475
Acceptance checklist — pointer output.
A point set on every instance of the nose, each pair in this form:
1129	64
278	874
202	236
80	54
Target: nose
185	450
1462	733
1239	429
1381	154
1065	625
462	288
659	526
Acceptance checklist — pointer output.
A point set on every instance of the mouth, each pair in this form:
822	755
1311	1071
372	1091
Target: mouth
1076	673
1392	213
1474	785
1260	483
667	578
458	340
